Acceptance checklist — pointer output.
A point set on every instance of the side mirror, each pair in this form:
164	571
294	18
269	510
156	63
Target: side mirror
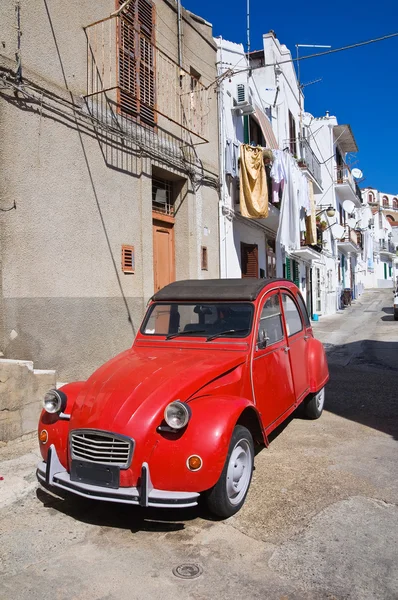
262	340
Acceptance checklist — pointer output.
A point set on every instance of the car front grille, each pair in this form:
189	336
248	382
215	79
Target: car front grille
101	447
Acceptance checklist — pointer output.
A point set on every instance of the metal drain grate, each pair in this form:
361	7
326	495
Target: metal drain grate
186	571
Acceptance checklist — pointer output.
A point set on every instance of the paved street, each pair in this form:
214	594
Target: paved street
320	522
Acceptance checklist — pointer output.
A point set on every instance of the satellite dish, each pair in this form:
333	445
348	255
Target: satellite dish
351	222
348	206
357	173
337	230
307	119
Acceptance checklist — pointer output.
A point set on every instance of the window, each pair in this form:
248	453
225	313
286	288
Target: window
256	134
292	316
303	308
128	259
249	260
136	60
271	258
162	196
270	328
371	198
201	320
385	202
292	135
204	258
395	203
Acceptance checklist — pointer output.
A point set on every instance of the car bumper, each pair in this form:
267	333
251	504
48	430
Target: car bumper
55	477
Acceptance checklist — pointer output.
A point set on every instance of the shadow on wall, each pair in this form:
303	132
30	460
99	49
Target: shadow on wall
363	383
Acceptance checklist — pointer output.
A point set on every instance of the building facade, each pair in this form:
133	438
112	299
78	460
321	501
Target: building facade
109	162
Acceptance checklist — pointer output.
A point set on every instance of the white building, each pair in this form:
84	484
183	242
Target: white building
385	234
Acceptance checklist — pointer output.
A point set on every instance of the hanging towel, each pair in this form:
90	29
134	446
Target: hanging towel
311	234
253	183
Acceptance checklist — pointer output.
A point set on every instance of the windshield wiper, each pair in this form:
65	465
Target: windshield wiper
173	335
226	332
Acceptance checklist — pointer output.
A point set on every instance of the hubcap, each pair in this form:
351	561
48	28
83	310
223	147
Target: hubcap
239	471
320	399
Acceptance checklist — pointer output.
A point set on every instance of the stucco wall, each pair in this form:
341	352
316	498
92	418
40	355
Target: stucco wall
62	286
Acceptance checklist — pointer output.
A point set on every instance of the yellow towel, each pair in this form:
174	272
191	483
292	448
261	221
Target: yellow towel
311	235
253	183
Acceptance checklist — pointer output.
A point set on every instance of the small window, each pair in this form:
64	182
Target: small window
128	259
205	266
303	307
293	320
162	196
270	327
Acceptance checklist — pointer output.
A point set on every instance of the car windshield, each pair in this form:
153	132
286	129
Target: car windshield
233	319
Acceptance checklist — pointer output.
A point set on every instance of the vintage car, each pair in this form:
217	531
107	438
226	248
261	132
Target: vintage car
216	366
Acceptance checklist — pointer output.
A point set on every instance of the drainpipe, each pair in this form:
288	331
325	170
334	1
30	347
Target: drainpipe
179	34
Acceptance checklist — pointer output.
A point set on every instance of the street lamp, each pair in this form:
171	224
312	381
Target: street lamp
330	211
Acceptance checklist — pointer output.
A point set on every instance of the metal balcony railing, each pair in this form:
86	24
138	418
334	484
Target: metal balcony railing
344	176
387	246
350	235
310	160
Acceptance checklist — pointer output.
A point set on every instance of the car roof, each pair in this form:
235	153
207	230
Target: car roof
247	288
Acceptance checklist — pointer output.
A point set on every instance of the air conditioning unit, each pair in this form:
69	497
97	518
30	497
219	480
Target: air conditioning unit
243	103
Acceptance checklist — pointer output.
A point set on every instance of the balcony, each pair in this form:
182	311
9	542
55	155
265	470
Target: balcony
387	247
346	186
349	242
311	164
310	251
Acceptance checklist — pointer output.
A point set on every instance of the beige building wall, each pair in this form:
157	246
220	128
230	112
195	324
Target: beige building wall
80	193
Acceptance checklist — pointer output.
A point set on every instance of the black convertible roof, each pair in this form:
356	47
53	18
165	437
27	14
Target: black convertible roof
214	289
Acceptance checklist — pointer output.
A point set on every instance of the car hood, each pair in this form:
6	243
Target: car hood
140	382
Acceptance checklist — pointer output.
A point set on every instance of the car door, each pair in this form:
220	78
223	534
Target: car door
271	371
297	343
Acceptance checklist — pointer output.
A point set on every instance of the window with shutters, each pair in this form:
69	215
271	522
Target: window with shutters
136	61
249	260
128	259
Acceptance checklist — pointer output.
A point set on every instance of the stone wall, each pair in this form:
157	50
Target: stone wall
21	393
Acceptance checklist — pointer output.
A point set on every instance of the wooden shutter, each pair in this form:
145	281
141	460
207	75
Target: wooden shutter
128	259
288	270
296	277
137	95
249	260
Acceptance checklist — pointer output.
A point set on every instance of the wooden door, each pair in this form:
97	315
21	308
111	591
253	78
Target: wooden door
163	252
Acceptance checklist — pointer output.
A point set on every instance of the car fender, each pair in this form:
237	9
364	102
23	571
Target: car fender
207	435
317	365
57	427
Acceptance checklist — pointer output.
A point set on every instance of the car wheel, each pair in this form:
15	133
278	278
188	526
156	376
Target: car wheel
313	404
229	493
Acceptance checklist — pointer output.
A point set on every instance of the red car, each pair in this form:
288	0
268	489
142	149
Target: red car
216	366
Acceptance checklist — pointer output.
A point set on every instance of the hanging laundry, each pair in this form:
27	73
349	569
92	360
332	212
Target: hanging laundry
253	183
288	236
311	232
231	158
278	174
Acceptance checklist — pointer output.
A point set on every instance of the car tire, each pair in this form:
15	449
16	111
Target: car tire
313	404
230	491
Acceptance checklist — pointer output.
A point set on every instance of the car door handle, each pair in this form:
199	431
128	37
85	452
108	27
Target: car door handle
286	349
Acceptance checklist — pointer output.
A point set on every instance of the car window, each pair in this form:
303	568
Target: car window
304	310
293	320
270	326
204	319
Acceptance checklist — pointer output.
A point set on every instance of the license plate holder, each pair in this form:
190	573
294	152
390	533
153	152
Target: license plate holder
107	476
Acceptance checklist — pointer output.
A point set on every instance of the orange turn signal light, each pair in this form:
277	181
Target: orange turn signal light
194	463
43	436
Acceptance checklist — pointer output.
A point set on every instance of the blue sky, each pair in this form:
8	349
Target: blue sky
359	86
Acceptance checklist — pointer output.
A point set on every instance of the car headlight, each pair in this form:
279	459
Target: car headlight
54	401
177	414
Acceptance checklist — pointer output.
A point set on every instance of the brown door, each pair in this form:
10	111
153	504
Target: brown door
163	252
249	259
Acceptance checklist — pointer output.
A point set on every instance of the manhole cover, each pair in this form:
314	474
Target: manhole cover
188	571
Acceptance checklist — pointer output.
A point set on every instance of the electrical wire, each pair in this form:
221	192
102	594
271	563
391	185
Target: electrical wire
333	51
